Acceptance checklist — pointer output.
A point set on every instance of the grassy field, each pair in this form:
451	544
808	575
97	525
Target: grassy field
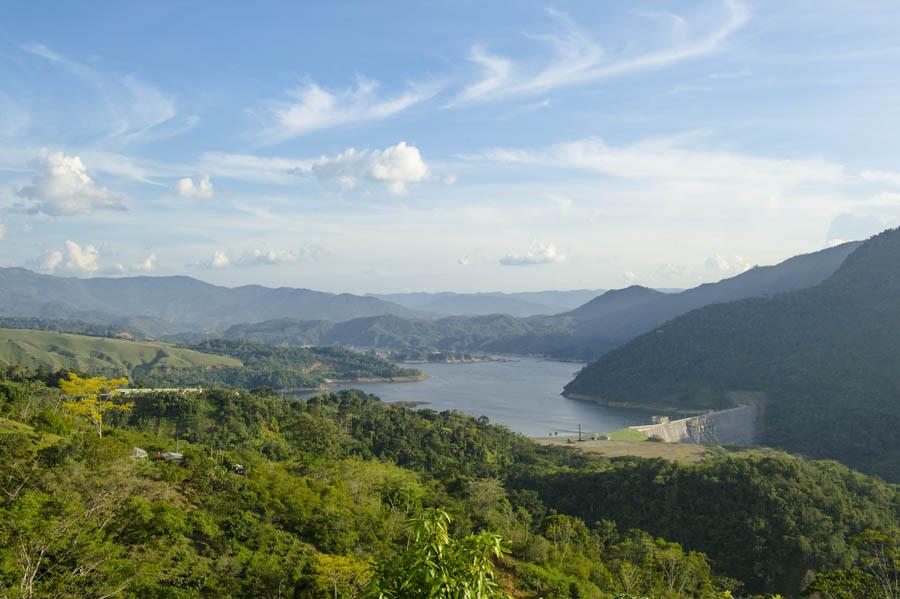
98	354
679	452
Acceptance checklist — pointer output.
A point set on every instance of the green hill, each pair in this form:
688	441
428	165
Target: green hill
827	358
97	354
273	497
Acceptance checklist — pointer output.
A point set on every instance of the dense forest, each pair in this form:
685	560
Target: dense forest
344	496
277	367
827	359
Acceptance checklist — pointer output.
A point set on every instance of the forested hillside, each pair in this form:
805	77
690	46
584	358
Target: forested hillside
827	358
215	362
318	505
272	497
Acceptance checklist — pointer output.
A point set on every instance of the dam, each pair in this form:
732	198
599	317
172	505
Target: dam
735	426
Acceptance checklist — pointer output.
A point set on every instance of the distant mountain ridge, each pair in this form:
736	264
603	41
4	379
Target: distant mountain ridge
600	325
519	304
827	357
174	304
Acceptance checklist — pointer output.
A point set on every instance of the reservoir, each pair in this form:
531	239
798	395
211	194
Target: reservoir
522	394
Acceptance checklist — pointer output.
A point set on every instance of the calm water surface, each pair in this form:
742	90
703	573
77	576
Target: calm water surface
523	394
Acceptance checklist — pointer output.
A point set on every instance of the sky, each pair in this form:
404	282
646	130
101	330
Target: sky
448	145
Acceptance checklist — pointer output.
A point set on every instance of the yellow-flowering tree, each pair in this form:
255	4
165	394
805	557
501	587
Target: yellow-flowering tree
91	397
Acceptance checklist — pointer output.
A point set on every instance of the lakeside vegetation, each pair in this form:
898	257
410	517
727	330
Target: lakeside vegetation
331	489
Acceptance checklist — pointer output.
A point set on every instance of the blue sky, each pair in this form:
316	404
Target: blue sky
372	147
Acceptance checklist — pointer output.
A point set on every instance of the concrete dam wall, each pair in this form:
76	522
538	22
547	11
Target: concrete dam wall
735	426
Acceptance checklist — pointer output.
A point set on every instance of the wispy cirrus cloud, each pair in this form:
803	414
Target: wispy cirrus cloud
133	109
579	59
311	108
672	160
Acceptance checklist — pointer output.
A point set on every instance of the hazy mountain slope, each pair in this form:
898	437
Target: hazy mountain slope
183	302
590	330
601	327
615	301
521	304
827	357
485	333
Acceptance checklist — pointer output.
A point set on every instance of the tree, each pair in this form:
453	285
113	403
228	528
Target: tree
340	575
91	396
435	565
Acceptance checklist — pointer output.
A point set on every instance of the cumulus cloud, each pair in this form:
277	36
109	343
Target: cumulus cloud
312	108
148	264
257	257
629	277
266	258
62	187
73	258
727	266
538	253
219	259
144	265
395	166
198	186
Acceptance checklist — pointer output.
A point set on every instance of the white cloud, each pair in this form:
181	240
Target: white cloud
219	260
62	187
258	169
727	266
578	59
450	179
73	258
2	231
313	108
148	264
538	253
629	277
266	258
669	160
258	257
198	186
145	265
396	166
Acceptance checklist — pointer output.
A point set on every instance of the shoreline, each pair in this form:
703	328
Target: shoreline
654	408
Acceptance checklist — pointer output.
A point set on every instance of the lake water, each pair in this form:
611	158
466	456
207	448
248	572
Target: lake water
522	394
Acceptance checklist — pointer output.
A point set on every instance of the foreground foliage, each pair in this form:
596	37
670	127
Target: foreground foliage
343	496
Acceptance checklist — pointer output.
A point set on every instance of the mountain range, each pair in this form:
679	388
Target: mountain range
598	326
827	358
522	304
172	306
162	305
